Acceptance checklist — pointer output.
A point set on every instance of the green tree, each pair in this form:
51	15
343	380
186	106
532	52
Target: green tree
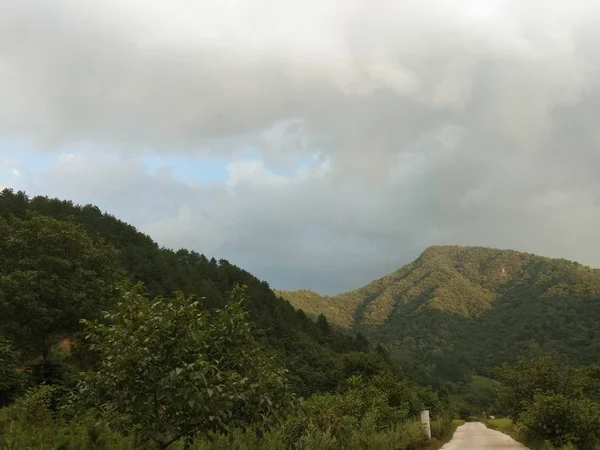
552	402
359	401
323	325
169	369
296	339
10	378
52	274
359	363
367	406
562	421
524	380
361	343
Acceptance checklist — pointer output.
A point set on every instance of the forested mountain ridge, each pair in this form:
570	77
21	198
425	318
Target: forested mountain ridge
474	306
205	355
314	354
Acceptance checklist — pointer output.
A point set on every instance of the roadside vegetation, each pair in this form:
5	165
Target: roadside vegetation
165	373
549	405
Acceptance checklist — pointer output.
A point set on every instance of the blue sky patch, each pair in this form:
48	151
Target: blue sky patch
19	152
208	169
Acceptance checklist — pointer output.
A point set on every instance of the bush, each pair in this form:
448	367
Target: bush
406	436
561	421
31	423
359	403
180	370
441	428
33	409
371	413
11	380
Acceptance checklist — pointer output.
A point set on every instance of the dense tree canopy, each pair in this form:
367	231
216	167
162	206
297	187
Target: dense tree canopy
180	369
456	311
312	355
552	401
10	378
51	275
205	366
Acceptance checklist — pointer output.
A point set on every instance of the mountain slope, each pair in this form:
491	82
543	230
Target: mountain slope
437	278
339	310
315	357
456	309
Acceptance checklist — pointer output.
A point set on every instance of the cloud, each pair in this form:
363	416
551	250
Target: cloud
199	76
378	127
9	169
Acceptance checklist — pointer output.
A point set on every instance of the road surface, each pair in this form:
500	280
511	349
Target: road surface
475	436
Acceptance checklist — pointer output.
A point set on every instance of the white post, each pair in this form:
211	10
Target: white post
425	424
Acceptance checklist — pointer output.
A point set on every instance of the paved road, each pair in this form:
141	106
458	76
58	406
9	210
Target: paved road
475	436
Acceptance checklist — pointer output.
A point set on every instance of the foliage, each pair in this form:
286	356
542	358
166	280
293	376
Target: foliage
313	357
364	408
33	408
363	415
502	423
180	369
458	311
11	380
360	363
507	426
524	380
340	313
31	423
51	275
168	368
560	420
476	397
88	434
551	402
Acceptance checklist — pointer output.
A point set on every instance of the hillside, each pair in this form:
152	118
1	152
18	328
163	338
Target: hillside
338	310
458	309
200	354
454	279
315	357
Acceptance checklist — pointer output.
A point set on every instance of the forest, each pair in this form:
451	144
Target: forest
457	311
108	341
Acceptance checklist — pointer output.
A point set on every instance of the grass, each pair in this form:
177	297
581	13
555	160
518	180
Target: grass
502	424
506	426
436	444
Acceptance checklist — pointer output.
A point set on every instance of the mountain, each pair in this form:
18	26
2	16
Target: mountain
339	310
316	356
159	370
457	310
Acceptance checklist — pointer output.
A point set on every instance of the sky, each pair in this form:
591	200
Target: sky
318	144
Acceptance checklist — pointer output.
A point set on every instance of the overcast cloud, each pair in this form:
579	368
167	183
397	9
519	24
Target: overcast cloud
377	127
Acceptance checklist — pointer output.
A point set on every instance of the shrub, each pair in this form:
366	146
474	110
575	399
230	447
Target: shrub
560	421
